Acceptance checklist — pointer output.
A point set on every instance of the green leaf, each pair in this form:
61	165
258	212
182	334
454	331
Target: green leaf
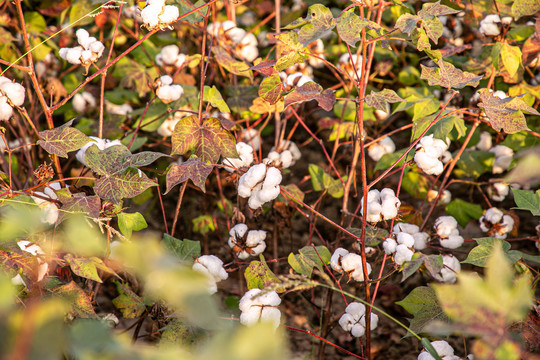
349	27
271	89
203	224
430	10
374	235
185	250
35	23
87	267
207	141
380	100
231	64
505	114
63	139
213	96
136	76
185	8
322	181
433	264
422	304
525	8
193	169
407	23
318	22
433	28
79	10
258	275
511	58
290	52
127	185
496	299
479	255
421	40
448	76
475	163
308	258
130	304
526	200
416	184
129	222
312	91
389	159
464	211
81	305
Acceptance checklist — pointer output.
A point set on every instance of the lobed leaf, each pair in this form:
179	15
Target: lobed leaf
318	22
308	258
130	304
79	203
379	100
463	211
193	169
526	200
127	185
213	96
422	303
258	275
271	89
349	27
312	91
407	23
505	114
129	222
448	76
207	141
231	64
184	250
435	9
63	139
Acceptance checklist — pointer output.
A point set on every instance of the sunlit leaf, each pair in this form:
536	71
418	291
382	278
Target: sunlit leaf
129	222
379	100
505	114
127	185
524	8
407	23
318	22
271	89
63	139
308	258
312	91
258	275
207	140
81	305
435	9
349	27
213	96
78	203
232	65
511	58
448	76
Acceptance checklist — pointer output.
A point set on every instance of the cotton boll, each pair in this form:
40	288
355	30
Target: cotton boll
428	164
485	142
352	265
443	348
49	210
389	207
420	240
169	93
403	253
255	175
383	147
449	271
236	34
73	55
214	265
249	53
453	241
389	246
444	225
405	239
373	214
6	111
488	25
500	94
408	228
251	137
255	237
297	79
266	195
492	215
83	102
498	191
169	15
82	35
15	92
238	231
335	260
168	55
245	153
261	308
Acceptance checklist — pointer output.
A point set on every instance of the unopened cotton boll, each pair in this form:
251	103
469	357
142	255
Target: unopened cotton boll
352	265
262	308
383	147
245	153
335	260
451	267
489	25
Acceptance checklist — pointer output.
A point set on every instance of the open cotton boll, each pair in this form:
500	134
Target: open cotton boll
485	143
297	79
353	320
236	34
6	111
402	254
83	102
492	215
71	55
453	241
238	231
251	137
168	56
169	93
420	240
443	349
428	164
503	158
405	239
262	308
212	267
407	228
449	271
444	225
115	109
352	265
489	25
498	191
254	175
344	63
445	198
389	246
14	92
500	94
383	147
49	210
373	213
245	153
335	260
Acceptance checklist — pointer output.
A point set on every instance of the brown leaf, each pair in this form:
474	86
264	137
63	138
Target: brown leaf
193	169
448	76
312	91
505	114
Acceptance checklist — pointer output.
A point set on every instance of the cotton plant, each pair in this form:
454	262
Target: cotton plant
260	184
166	91
229	35
86	53
212	267
284	156
11	94
381	205
157	15
446	229
34	250
401	248
83	102
354	319
342	261
102	144
49	209
503	158
429	155
445	198
498	191
244	159
246	243
443	349
258	306
384	146
495	223
170	56
451	267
